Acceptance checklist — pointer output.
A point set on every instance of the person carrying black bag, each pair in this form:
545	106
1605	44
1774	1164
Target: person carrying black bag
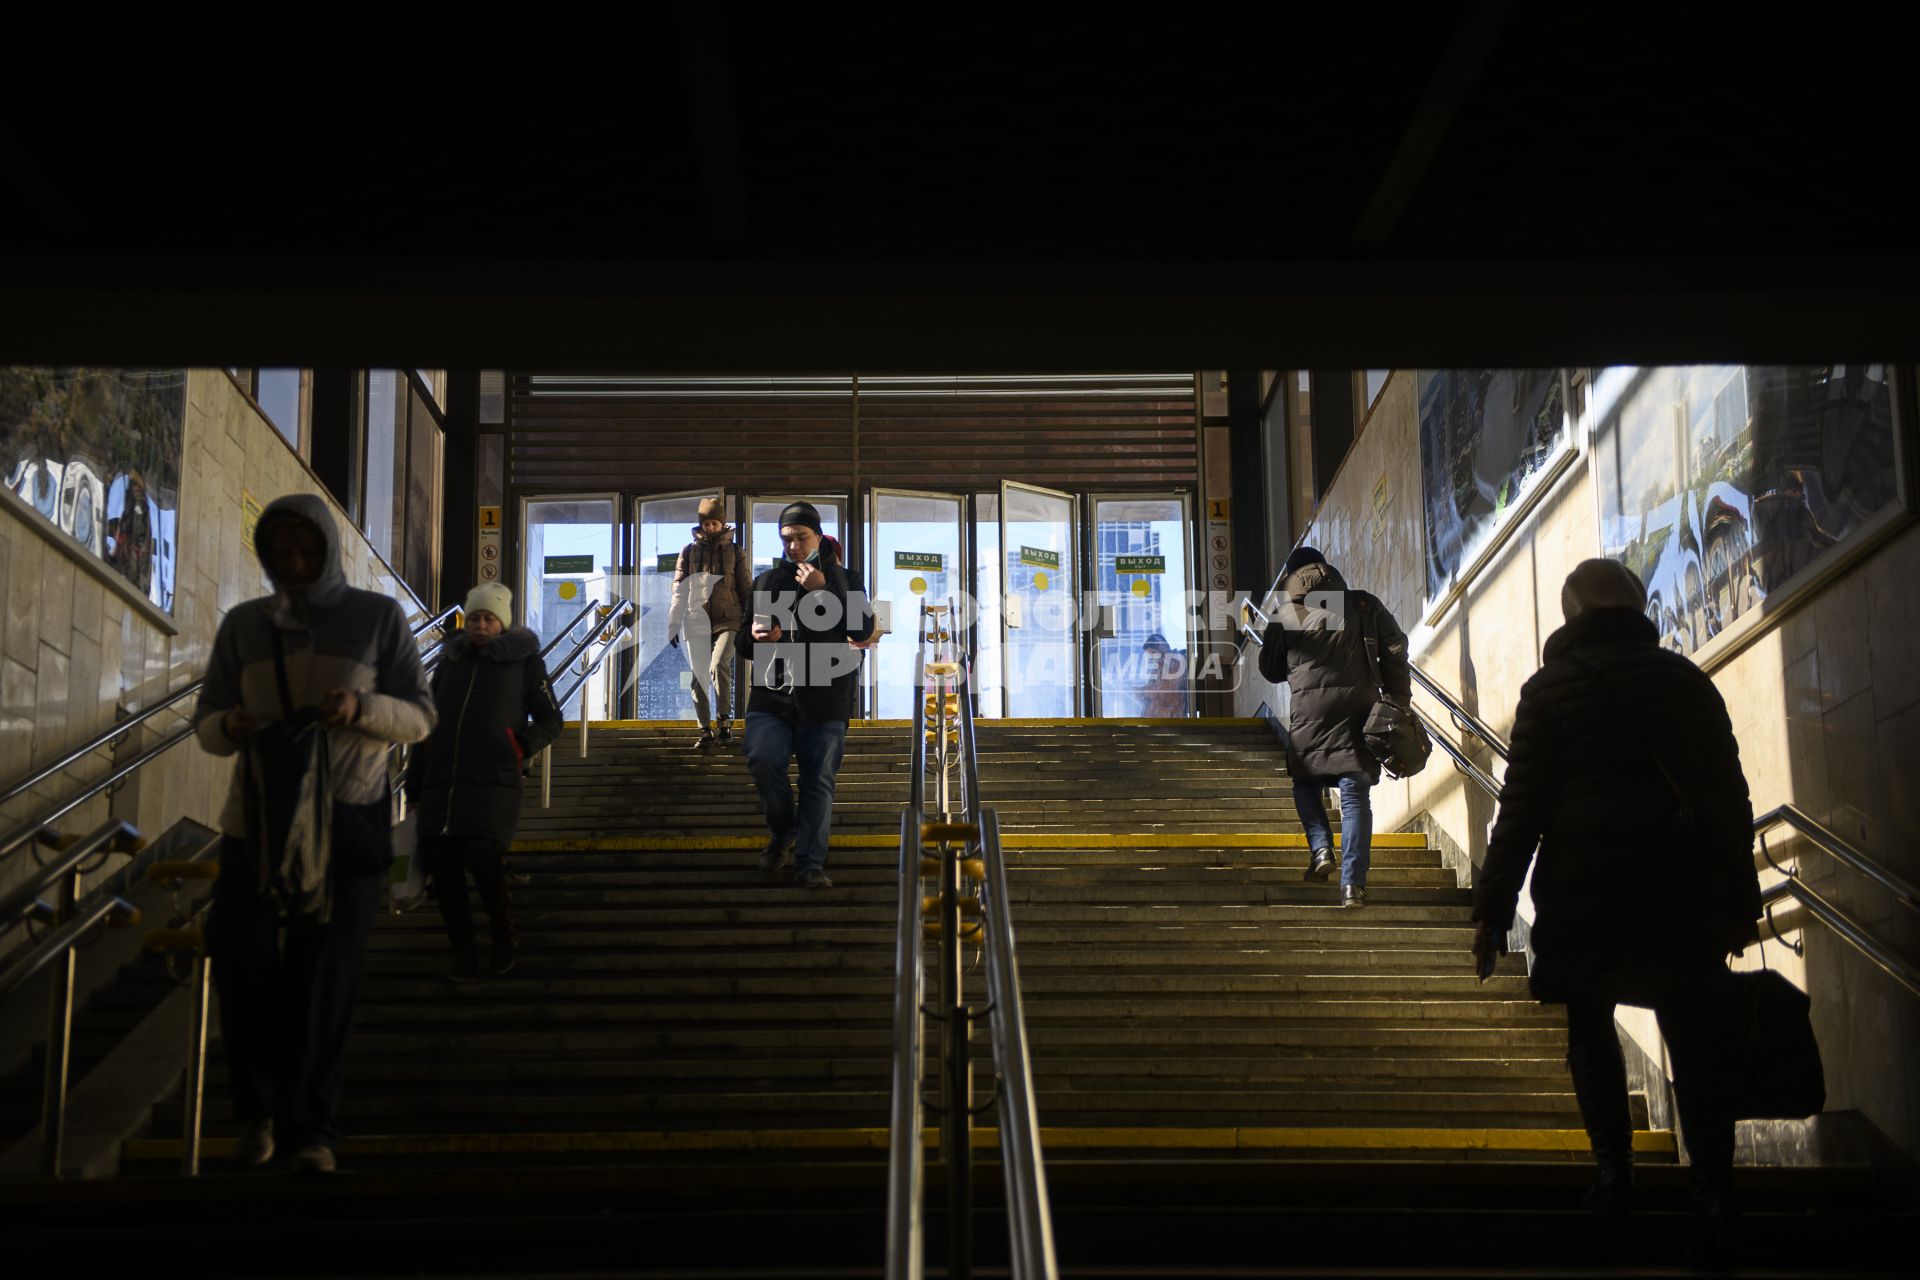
1624	772
310	687
496	712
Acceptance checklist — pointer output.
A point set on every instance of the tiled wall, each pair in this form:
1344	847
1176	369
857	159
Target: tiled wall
1825	704
72	647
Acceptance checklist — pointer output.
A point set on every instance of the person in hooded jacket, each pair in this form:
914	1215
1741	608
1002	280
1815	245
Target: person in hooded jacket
287	985
711	582
1613	739
496	712
1316	643
802	645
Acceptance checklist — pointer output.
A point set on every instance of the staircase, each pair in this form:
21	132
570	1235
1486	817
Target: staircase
689	1068
1186	984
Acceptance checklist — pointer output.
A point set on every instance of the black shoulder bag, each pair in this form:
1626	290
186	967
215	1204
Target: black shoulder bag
1392	732
289	805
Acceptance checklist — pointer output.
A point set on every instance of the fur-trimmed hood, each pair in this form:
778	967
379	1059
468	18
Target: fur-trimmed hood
515	644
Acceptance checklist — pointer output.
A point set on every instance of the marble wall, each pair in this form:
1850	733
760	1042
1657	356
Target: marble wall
1825	702
74	647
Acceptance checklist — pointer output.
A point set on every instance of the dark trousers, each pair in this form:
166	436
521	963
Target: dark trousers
286	998
1686	1000
451	859
819	746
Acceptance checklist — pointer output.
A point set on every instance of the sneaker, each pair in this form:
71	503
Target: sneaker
254	1146
726	733
1611	1192
466	968
1320	866
1353	895
813	878
777	856
705	741
314	1159
504	955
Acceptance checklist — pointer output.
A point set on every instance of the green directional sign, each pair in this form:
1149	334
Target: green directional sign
1140	564
570	564
1039	557
667	563
932	561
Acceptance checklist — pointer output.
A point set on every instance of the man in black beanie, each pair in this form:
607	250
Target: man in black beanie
802	647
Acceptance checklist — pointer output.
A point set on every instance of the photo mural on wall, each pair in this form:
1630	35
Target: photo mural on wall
1488	439
97	454
1718	484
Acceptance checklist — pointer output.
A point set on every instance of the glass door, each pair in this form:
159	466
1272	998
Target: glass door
569	550
914	556
1041	558
1142	572
660	675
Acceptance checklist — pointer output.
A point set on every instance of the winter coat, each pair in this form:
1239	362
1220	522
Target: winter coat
333	636
1618	875
1316	644
712	574
813	642
496	712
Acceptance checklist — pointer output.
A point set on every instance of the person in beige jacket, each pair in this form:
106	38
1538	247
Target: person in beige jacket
710	586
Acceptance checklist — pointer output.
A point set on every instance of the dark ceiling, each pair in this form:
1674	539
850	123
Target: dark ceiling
778	189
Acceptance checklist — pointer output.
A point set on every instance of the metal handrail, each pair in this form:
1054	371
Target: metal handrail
567	631
1837	847
1849	930
104	738
624	627
28	967
1030	1213
26	834
25	902
906	1154
618	610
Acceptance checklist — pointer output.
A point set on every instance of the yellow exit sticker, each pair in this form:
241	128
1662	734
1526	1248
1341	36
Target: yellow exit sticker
1041	582
918	586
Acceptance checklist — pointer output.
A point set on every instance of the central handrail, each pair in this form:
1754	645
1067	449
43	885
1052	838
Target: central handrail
906	1156
566	632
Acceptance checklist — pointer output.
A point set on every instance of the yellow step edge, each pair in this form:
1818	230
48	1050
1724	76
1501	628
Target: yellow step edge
1034	841
1018	722
1572	1141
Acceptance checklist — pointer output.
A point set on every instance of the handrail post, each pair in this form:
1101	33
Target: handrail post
53	1101
956	1069
195	1093
546	776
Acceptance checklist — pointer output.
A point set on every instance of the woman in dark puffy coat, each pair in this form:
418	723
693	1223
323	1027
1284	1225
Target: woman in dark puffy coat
496	713
1625	775
1317	646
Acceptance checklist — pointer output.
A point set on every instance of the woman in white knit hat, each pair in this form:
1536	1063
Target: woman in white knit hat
496	713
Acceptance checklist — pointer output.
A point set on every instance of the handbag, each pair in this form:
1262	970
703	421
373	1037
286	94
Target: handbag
1392	732
1772	1058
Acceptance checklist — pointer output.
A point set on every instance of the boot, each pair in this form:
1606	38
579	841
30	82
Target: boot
492	879
450	890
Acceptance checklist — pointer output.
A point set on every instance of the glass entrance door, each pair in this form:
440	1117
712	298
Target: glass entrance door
1040	556
914	556
1141	563
662	678
569	552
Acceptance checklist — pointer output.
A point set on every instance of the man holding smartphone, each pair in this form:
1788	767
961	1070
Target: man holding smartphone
802	646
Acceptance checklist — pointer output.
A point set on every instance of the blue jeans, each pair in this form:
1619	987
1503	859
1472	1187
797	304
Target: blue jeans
771	742
1356	824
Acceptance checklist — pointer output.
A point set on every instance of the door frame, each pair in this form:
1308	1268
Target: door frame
627	661
1193	635
617	545
870	685
1076	524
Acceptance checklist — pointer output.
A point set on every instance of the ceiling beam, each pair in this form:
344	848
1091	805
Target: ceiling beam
1455	74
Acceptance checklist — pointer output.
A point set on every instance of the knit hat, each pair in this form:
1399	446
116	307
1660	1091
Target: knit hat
491	597
802	514
1301	558
1601	584
712	509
